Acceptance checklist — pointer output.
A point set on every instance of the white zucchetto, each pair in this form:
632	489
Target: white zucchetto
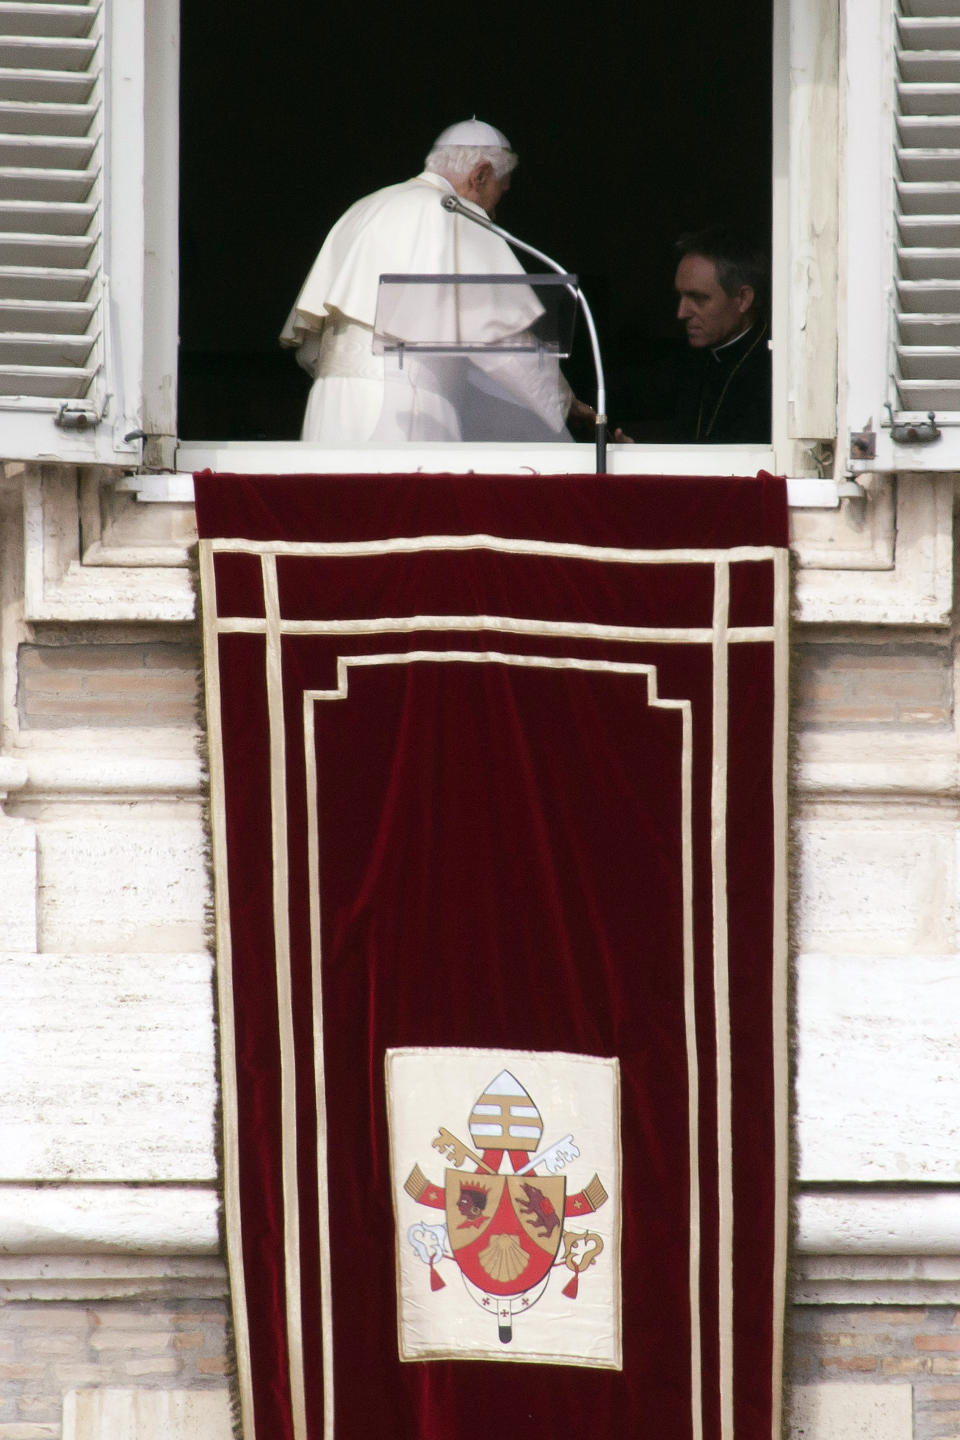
471	132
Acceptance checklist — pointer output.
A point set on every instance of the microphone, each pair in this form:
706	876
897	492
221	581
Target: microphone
455	206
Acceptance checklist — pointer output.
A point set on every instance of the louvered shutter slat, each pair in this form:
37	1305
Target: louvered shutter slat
46	317
26	282
927	370
939	296
74	20
943	329
924	67
60	251
932	231
930	198
29	52
36	217
943	397
930	362
929	99
929	34
46	185
924	167
44	347
932	9
46	382
932	264
932	131
52	87
43	120
54	152
50	117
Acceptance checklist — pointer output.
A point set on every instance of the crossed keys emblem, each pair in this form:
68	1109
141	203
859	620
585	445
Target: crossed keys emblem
505	1228
554	1157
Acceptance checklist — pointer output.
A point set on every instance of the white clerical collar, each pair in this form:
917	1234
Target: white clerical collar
716	349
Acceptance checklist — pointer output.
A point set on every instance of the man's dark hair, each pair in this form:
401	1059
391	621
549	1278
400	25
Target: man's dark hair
738	260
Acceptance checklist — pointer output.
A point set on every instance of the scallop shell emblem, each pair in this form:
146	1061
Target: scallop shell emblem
504	1258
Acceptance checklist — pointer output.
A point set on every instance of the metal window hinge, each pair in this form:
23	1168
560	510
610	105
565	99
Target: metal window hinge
863	444
78	415
913	432
159	451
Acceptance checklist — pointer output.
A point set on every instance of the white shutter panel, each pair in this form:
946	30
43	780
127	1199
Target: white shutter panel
51	108
927	340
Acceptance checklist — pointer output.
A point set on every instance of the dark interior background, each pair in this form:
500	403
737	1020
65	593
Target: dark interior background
633	123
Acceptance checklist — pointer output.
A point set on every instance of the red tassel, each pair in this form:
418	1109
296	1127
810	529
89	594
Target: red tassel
572	1286
435	1282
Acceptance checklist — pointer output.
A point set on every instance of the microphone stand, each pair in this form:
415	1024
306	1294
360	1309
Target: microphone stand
454	204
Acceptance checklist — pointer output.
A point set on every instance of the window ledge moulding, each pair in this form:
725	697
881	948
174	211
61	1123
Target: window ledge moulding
77	765
863	1247
884	560
63	583
880	766
883	573
177	487
298	458
84	1277
876	1280
93	1224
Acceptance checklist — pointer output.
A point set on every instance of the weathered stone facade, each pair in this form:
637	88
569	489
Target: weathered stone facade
112	1289
113	1306
48	1349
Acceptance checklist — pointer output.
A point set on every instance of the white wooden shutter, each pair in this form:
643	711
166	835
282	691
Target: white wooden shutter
51	109
927	319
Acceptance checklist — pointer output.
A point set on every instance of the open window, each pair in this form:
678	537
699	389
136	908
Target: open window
655	122
666	125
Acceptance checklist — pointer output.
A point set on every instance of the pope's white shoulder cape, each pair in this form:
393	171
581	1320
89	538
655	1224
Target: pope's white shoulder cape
402	229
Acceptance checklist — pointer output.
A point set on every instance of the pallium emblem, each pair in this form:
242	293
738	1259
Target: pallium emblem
506	1208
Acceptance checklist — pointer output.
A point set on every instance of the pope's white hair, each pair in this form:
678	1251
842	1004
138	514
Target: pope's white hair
454	162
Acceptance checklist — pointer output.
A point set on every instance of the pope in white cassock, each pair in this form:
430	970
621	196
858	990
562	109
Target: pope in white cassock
360	395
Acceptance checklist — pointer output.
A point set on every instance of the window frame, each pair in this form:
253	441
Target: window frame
833	230
800	425
833	234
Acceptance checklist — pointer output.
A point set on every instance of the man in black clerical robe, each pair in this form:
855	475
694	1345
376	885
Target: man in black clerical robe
723	382
716	390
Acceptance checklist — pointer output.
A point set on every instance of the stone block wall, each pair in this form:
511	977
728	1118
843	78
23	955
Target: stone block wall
916	1347
50	1349
858	685
113	1317
142	682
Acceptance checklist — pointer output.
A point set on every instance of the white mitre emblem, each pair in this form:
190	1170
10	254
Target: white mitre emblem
471	132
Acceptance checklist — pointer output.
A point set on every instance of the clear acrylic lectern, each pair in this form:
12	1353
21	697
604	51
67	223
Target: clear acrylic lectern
474	357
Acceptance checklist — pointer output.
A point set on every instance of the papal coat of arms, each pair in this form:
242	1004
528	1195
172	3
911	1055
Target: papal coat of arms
501	1222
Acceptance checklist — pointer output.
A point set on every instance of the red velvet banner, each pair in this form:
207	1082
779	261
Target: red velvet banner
498	797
